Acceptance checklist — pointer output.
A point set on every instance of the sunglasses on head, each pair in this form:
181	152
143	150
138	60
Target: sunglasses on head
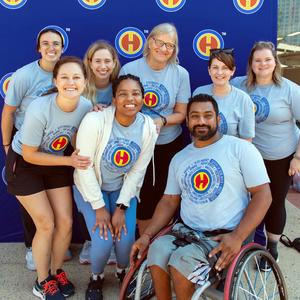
220	50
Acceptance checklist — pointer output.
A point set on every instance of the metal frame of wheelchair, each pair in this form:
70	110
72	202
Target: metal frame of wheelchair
244	280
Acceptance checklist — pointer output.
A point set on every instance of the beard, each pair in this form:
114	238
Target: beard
204	136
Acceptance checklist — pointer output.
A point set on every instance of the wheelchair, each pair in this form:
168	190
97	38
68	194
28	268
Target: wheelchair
242	280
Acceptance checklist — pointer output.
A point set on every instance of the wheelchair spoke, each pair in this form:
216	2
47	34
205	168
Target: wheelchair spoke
248	280
251	283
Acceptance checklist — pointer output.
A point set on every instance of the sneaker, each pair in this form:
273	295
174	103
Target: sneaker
68	255
112	258
85	254
30	265
65	286
48	289
94	290
120	275
264	265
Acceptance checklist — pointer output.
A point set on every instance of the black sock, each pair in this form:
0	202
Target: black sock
272	247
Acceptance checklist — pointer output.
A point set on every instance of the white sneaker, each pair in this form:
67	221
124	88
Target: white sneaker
112	259
85	254
30	265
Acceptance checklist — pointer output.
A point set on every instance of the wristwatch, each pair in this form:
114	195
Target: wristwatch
122	206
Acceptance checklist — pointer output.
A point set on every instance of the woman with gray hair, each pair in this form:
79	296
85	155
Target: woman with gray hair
167	90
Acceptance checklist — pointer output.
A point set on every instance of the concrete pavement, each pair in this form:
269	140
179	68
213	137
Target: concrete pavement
16	281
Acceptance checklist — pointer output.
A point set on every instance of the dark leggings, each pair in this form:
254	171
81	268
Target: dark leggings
28	227
275	218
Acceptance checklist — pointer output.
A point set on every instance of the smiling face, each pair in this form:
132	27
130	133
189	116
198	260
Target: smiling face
263	64
50	47
70	80
102	64
128	101
161	48
202	121
220	73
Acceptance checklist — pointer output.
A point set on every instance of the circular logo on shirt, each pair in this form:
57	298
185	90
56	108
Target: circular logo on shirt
120	154
121	157
63	34
4	82
60	143
248	6
203	181
92	4
130	42
170	5
156	98
3	176
261	108
205	40
13	4
223	127
151	99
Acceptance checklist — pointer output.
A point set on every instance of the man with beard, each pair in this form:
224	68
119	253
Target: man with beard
212	180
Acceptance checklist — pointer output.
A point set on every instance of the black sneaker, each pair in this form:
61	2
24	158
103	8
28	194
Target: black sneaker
94	290
64	284
120	275
48	289
264	265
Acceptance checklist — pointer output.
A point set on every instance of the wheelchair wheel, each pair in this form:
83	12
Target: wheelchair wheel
140	285
246	281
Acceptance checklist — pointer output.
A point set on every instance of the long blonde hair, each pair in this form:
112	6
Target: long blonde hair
91	89
251	77
162	29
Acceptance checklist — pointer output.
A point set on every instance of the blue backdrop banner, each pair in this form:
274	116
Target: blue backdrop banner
125	24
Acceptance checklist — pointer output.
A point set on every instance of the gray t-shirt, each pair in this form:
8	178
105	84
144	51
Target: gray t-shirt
121	153
104	96
236	112
163	89
276	110
213	182
48	127
27	83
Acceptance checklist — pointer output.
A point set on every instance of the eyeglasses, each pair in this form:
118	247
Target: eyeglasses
160	43
220	50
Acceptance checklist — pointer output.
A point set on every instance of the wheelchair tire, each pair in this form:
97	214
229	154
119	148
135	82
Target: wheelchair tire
140	272
132	289
245	280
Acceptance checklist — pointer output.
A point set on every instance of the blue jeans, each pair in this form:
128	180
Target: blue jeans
101	248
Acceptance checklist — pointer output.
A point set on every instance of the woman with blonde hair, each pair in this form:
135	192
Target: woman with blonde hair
167	90
277	106
103	66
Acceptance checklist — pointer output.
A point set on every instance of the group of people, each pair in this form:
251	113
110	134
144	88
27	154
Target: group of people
116	133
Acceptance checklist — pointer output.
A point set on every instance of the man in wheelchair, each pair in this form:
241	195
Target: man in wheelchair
213	180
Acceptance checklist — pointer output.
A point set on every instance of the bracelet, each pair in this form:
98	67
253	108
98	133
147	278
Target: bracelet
5	145
148	235
296	156
164	120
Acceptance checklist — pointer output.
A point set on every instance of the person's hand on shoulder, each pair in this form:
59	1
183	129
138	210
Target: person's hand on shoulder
99	107
79	161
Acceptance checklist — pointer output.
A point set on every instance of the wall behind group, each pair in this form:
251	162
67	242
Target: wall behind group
125	24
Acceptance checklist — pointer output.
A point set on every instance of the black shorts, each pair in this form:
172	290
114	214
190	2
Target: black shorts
150	195
25	179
